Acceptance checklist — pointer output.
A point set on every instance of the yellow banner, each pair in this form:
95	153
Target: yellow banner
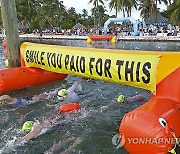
127	69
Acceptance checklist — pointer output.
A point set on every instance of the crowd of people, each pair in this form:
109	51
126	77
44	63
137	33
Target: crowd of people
155	30
71	100
146	30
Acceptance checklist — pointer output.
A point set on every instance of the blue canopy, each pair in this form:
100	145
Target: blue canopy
161	22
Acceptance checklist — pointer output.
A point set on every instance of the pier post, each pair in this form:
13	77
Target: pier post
10	24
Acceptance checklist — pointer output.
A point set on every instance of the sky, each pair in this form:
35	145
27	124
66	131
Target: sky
79	5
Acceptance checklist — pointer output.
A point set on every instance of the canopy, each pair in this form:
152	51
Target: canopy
161	21
79	26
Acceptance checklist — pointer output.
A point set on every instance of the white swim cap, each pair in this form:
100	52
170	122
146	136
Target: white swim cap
63	93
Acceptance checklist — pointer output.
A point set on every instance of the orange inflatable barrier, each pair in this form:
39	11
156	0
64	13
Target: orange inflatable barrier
154	127
101	38
69	107
21	77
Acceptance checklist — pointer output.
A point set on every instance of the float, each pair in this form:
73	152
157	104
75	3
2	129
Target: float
22	77
69	107
101	38
153	127
142	69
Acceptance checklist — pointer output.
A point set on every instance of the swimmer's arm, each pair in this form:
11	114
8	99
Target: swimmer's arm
29	136
32	134
73	87
69	150
136	98
56	119
38	97
72	147
105	108
59	145
33	98
60	98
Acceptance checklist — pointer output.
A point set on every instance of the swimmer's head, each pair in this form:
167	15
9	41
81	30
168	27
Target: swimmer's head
27	126
2	102
63	93
121	98
6	63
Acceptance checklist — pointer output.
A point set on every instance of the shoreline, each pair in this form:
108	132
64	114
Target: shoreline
30	37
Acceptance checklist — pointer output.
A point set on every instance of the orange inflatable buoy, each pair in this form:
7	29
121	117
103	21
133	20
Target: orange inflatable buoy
101	37
154	127
69	107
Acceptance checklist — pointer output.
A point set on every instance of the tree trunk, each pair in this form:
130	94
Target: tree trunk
123	12
98	18
10	24
95	14
116	10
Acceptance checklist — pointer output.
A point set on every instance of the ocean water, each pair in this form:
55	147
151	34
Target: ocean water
94	128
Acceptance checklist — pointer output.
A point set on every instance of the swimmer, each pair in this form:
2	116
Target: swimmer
70	94
42	127
56	147
122	99
38	128
6	99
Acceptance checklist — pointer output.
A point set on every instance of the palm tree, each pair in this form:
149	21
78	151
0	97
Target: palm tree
173	12
26	10
129	5
96	11
170	2
166	2
73	15
144	11
117	5
45	13
85	13
148	9
58	12
101	15
123	5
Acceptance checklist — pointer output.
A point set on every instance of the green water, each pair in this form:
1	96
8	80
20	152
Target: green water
96	129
